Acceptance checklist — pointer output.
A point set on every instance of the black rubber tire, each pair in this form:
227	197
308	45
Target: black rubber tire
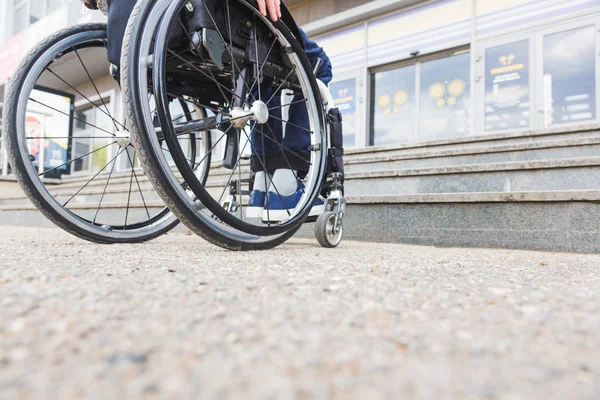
152	166
321	230
43	201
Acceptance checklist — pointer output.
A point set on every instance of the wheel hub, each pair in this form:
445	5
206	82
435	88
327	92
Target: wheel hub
123	138
259	112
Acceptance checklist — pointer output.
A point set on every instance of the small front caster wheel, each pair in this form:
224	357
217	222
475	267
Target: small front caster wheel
325	230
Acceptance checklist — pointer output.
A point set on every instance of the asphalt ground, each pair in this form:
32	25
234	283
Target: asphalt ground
179	318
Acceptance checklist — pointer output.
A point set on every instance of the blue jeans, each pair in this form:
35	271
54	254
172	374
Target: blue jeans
297	136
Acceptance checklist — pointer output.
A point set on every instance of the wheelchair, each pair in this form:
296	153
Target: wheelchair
205	85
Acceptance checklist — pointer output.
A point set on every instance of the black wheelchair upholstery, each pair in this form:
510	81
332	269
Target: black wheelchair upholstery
120	10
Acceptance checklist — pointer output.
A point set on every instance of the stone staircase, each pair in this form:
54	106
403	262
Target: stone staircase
530	190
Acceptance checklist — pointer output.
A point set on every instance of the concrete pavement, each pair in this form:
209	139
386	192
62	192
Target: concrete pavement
179	318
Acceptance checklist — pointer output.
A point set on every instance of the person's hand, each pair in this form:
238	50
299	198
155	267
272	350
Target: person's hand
273	7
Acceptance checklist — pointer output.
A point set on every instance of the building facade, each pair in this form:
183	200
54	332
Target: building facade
23	23
453	69
467	122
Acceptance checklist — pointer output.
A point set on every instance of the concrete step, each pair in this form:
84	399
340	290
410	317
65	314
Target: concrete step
484	197
441	157
521	138
521	176
566	174
530	162
114	213
547	221
90	195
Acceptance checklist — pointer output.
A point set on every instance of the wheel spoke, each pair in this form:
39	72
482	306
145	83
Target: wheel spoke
77	158
211	149
112	169
185	186
96	89
202	58
288	104
237	163
284	147
205	128
203	73
292	124
85	97
281	85
168	151
138	186
240	176
234	63
263	162
196	103
263	63
70	116
129	193
257	70
284	156
69	137
88	182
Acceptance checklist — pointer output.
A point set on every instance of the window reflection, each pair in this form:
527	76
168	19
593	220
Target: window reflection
445	98
507	86
569	76
393	106
344	98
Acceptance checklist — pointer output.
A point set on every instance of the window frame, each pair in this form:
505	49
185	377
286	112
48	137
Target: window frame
417	61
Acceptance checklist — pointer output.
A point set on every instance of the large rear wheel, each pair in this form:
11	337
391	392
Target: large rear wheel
71	150
248	72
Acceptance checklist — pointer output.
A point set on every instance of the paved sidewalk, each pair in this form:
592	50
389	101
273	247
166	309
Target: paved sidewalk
178	318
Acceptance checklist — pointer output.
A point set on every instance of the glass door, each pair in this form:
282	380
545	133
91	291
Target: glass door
567	74
505	85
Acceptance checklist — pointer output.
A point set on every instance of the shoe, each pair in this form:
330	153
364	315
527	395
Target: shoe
281	207
256	204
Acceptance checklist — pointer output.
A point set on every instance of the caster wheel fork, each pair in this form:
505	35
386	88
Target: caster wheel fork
329	228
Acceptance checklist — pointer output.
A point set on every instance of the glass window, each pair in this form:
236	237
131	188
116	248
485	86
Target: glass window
393	106
28	12
20	18
36	10
90	134
445	98
570	76
53	5
84	117
344	98
82	141
507	94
